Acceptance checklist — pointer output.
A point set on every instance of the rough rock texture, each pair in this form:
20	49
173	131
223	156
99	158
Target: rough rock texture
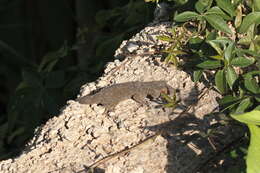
82	134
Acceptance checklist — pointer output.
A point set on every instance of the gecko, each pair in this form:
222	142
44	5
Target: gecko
110	96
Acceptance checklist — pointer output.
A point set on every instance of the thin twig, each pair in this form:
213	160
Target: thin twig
109	157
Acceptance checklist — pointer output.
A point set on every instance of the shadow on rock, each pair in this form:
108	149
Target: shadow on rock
200	146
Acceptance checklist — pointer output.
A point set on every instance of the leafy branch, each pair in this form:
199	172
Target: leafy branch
220	39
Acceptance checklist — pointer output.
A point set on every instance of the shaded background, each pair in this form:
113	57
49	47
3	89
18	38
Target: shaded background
48	49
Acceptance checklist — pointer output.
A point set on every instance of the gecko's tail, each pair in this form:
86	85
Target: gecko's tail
84	100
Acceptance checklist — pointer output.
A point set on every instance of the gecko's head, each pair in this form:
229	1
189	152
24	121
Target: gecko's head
161	86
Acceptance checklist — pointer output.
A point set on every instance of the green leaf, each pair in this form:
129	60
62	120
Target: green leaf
171	101
257	98
202	5
195	40
164	38
228	52
150	0
216	46
218	11
185	16
177	52
226	6
250	19
221	82
257	108
234	154
256	5
251	84
217	57
48	58
253	156
210	64
227	102
218	23
246	40
50	66
249	52
31	78
231	76
242	61
253	73
197	75
171	58
243	105
211	35
222	40
51	58
252	118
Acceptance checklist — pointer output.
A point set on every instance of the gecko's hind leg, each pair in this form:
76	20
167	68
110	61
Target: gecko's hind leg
109	108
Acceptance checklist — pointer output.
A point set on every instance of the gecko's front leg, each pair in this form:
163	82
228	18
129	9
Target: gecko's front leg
109	108
140	98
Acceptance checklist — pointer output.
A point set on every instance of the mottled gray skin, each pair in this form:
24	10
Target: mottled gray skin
110	96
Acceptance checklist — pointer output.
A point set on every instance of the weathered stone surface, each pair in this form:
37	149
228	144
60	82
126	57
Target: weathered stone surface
82	135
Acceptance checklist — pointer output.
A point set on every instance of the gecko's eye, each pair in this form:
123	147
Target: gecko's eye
149	97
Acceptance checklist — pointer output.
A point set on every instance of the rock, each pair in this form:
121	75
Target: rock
82	135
